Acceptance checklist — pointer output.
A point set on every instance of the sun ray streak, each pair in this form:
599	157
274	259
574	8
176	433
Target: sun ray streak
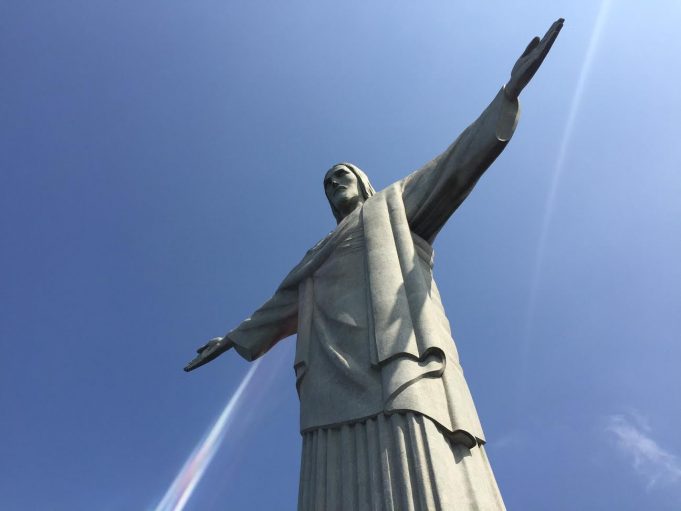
192	471
556	177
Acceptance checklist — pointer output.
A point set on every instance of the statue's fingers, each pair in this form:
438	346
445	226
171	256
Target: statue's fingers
554	29
205	346
196	362
551	34
533	44
550	38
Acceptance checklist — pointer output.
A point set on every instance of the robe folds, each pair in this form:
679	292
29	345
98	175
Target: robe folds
373	338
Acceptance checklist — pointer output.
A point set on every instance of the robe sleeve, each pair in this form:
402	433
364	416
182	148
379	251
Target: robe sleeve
275	320
434	192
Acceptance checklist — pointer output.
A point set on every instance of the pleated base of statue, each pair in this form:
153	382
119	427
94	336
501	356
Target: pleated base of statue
398	462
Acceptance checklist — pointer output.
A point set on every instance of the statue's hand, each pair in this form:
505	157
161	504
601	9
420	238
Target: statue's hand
209	351
530	60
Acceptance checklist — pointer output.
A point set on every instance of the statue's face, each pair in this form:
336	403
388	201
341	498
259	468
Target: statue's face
341	188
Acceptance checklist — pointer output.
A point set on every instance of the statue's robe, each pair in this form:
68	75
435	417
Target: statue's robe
387	419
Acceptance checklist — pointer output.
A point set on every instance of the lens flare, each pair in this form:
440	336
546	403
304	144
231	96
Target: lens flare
557	173
188	478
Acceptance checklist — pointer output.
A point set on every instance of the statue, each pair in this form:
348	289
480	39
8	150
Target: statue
387	420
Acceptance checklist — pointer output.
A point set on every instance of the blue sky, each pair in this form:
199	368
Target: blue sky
161	166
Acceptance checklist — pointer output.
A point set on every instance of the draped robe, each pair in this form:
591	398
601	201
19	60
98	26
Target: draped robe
374	349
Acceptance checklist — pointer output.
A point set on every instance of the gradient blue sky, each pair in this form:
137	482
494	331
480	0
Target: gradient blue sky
161	165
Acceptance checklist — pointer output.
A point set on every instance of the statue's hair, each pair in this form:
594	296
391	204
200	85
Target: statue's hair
363	185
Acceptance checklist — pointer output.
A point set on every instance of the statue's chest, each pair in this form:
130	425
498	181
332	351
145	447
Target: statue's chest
340	282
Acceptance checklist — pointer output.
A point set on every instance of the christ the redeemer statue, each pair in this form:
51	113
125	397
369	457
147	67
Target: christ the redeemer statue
387	420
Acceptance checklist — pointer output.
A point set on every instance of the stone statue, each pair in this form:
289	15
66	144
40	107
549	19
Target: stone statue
387	420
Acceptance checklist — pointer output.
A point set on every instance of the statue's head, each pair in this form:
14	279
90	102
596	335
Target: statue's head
346	186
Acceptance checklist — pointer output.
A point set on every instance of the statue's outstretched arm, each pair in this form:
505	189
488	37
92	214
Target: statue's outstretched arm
435	191
275	320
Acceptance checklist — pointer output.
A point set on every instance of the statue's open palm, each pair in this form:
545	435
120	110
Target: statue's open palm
209	351
531	59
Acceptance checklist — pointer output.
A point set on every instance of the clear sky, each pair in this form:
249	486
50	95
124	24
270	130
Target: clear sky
161	167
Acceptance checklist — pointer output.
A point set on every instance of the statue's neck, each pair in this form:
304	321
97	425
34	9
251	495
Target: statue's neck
348	208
